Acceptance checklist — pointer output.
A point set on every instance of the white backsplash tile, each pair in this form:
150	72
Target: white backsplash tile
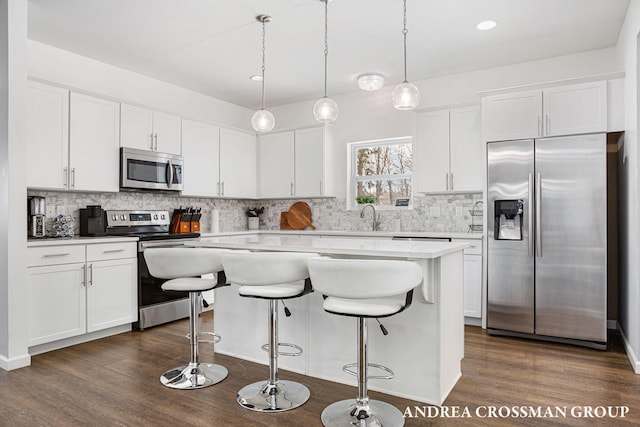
441	213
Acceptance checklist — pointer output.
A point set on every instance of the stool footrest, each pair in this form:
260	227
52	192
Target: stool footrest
348	369
215	338
296	353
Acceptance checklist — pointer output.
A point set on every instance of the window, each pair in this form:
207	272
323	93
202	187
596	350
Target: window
381	171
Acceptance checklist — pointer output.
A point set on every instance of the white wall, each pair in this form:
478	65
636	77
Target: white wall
13	245
79	72
629	316
370	115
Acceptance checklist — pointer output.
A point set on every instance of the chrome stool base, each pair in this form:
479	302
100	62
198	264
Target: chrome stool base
265	397
344	414
194	375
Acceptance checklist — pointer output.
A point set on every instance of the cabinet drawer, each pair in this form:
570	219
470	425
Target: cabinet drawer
52	255
474	249
106	251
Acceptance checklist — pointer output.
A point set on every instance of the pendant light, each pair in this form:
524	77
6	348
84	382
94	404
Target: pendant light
263	120
325	110
406	96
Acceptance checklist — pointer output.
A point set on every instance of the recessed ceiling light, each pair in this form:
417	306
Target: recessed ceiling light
486	25
256	78
370	82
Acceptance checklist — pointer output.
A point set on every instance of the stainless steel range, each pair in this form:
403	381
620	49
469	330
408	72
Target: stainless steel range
155	306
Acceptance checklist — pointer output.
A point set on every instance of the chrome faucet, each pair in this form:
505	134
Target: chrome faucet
375	223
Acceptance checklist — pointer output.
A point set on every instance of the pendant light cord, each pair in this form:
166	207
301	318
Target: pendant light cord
404	33
263	55
326	44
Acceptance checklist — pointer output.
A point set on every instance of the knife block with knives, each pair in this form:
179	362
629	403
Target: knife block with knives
186	220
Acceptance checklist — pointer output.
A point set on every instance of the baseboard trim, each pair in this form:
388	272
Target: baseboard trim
9	364
67	342
633	357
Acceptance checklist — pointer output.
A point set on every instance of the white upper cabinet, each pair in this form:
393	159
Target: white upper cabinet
277	164
575	109
201	152
149	130
448	150
47	137
296	163
93	144
563	110
237	164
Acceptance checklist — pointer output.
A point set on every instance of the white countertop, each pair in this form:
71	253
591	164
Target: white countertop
339	233
76	240
415	249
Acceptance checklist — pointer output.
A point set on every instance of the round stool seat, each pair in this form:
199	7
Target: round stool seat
266	268
283	290
370	307
189	284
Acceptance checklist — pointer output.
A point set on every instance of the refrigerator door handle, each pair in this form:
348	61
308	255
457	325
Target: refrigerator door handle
530	209
538	210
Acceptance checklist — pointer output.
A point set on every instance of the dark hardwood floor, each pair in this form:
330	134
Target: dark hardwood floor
115	382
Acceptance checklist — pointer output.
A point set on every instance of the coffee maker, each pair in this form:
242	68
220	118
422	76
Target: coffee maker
36	216
93	221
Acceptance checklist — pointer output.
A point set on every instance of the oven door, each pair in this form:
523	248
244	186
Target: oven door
156	306
150	170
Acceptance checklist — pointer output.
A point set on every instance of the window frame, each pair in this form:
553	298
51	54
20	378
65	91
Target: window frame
354	179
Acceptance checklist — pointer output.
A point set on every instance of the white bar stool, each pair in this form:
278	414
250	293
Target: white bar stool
364	289
181	265
272	276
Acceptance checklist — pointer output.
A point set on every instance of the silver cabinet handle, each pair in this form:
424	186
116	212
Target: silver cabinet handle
446	180
292	188
73	177
151	141
55	255
110	251
84	276
539	126
222	186
170	178
65	176
321	189
155	137
538	213
547	131
451	179
90	274
530	209
218	192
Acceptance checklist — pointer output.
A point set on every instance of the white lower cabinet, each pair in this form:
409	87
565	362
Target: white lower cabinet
78	289
472	278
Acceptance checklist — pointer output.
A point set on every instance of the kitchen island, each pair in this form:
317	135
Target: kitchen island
425	344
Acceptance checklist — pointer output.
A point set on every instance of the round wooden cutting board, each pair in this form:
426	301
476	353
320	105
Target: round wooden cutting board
299	216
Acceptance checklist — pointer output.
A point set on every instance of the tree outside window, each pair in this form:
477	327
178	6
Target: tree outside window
382	171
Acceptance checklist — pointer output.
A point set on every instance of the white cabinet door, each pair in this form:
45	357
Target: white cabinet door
237	164
512	116
111	293
47	137
166	133
310	162
465	139
56	302
575	109
136	127
201	152
473	285
94	125
276	165
431	151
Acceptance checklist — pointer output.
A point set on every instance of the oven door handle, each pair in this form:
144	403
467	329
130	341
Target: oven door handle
170	178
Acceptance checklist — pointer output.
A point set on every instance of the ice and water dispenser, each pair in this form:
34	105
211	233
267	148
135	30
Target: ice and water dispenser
508	219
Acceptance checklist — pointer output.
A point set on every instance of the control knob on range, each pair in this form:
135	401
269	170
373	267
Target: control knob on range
122	217
155	216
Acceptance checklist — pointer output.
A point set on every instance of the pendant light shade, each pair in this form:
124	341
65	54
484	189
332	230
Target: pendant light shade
263	120
406	96
325	110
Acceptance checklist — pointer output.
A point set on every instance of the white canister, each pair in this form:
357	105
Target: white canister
253	222
215	221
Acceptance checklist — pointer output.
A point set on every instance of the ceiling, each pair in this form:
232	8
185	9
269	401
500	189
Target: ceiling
213	46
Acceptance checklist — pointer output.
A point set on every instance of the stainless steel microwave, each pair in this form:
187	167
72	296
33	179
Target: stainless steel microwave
150	170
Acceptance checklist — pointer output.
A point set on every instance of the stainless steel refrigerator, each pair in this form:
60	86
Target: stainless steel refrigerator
547	241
